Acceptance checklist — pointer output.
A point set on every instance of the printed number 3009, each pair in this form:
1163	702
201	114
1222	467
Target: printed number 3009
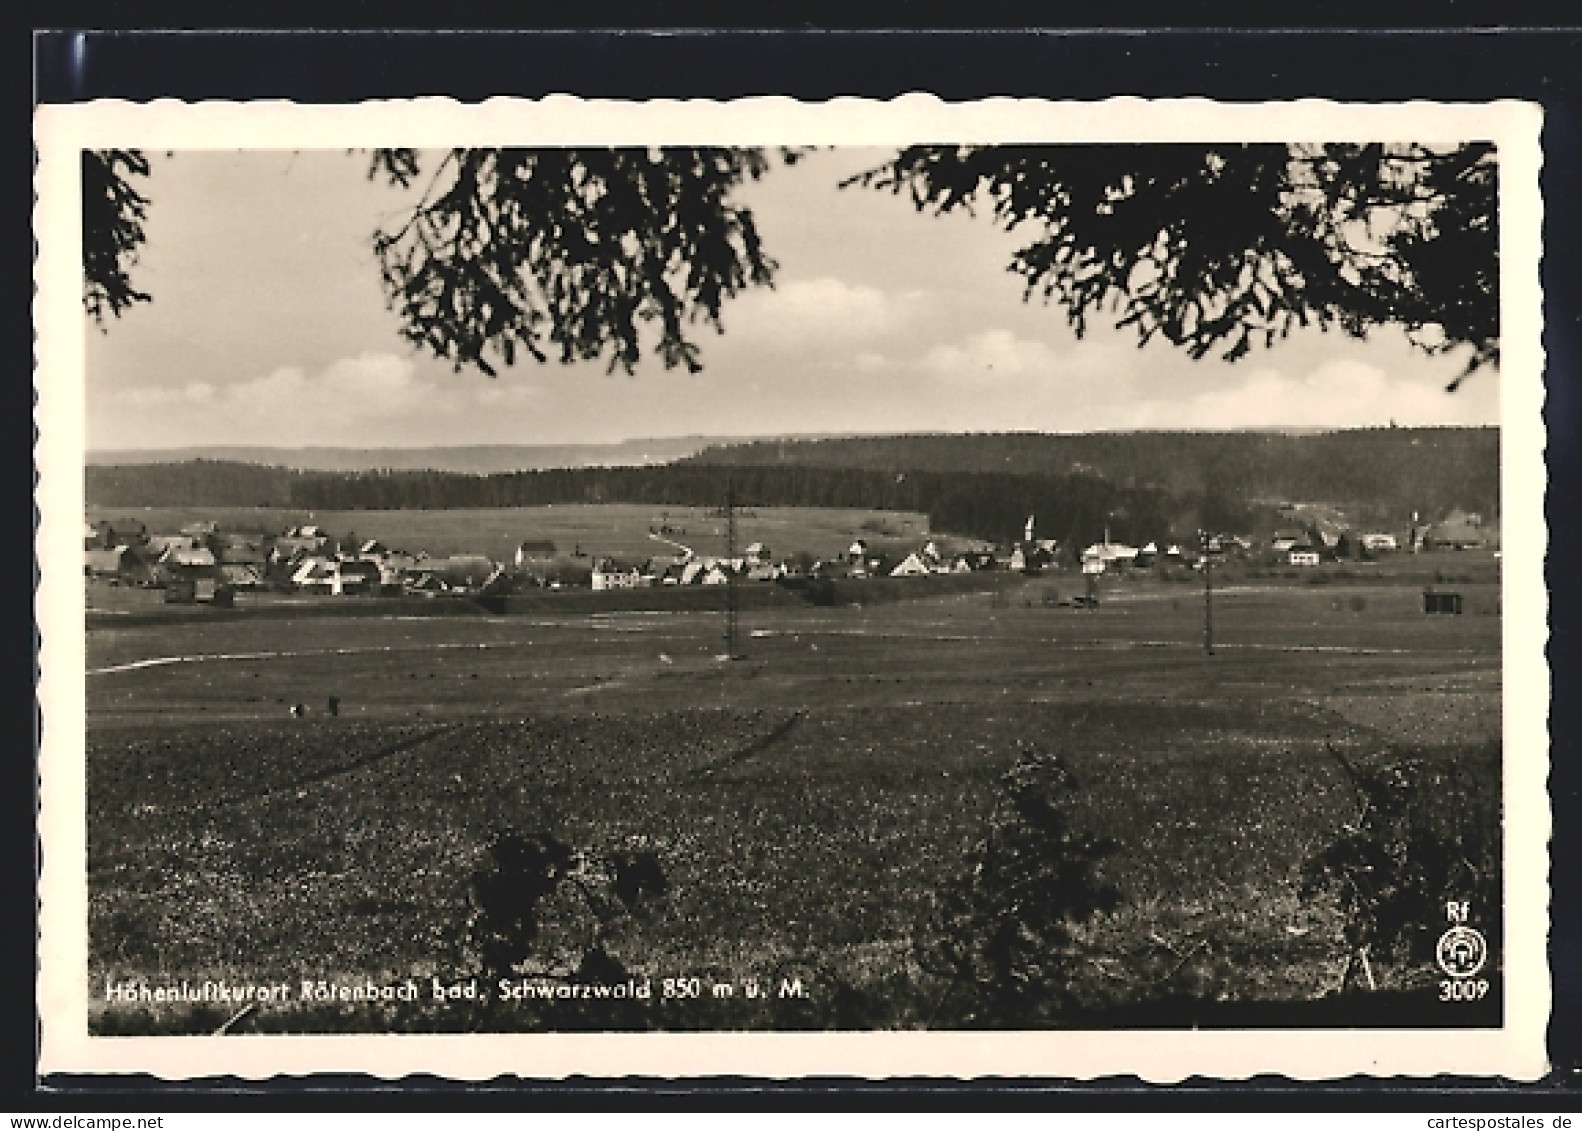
1463	989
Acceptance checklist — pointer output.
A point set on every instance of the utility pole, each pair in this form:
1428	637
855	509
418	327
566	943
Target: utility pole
730	569
1208	590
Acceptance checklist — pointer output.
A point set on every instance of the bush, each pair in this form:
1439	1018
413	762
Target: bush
545	909
1393	868
1004	938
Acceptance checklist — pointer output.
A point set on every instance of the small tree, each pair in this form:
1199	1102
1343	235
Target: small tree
1004	938
532	881
1389	870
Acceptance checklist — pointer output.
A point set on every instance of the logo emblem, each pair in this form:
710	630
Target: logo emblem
1462	951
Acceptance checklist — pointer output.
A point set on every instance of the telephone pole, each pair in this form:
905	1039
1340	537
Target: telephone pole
730	569
1206	557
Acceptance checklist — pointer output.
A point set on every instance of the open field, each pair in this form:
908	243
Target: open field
616	529
806	801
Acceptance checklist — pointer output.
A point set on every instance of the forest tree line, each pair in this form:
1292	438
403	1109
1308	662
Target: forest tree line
992	507
1138	485
1390	471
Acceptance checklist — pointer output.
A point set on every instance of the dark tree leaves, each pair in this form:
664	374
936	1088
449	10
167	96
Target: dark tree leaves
570	252
1218	248
112	229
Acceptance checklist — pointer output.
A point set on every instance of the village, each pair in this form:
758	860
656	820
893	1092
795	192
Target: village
204	563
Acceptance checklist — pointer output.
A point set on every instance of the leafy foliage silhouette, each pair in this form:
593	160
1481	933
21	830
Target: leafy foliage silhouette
1219	247
571	249
113	212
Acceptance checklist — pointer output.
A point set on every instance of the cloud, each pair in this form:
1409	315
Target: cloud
991	359
1338	394
195	392
825	309
372	398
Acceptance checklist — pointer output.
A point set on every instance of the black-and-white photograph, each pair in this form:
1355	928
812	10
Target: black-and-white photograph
1016	586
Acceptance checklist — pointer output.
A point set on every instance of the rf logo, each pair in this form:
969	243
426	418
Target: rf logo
1462	951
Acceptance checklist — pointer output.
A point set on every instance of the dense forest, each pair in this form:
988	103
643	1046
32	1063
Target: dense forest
983	506
1385	471
1138	485
191	483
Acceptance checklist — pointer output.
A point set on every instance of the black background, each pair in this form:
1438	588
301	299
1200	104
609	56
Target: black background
1350	52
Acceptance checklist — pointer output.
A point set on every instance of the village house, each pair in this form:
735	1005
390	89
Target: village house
1377	542
121	565
299	541
1459	531
610	574
534	553
912	565
1108	555
337	577
109	534
1303	556
241	566
459	573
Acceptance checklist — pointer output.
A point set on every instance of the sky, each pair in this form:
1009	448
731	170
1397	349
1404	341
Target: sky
268	326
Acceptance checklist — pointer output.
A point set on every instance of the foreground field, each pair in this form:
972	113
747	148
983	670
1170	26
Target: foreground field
807	802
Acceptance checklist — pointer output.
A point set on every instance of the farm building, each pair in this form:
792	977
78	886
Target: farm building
337	577
1303	556
122	563
1455	535
119	533
160	544
241	566
200	557
1109	555
912	565
294	542
460	573
534	552
609	574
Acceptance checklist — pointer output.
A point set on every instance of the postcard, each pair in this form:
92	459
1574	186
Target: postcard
864	589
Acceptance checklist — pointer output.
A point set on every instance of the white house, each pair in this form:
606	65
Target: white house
1106	555
1376	542
1304	557
609	575
912	565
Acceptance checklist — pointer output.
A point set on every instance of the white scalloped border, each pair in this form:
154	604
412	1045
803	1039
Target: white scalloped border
1517	1051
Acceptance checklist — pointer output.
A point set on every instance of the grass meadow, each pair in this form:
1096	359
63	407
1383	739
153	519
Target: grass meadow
807	802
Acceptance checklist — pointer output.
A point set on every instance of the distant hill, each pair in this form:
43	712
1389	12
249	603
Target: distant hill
483	459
